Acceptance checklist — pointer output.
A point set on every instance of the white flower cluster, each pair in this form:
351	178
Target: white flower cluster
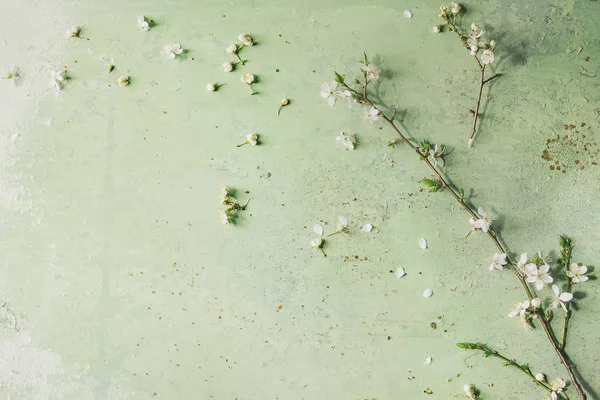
172	50
556	387
348	140
228	216
331	93
251	139
482	223
57	79
341	227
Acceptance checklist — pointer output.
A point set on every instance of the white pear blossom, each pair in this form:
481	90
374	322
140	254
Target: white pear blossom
522	263
482	223
519	309
560	299
371	72
540	377
367	228
436	155
317	243
536	302
422	243
487	56
172	50
56	79
227	67
400	272
318	229
437	29
492	43
247	78
142	23
252	139
551	396
475	39
232	49
557	385
123	80
538	276
246	40
223	217
223	194
328	91
73	31
211	87
342	224
348	140
12	73
427	293
577	273
455	8
498	261
371	114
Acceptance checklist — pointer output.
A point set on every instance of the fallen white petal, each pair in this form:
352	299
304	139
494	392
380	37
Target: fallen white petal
427	360
367	228
407	14
423	243
318	229
427	293
400	272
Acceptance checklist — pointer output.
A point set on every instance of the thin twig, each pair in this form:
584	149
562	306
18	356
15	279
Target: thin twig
566	251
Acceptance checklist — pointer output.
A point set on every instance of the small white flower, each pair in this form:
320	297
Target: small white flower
231	49
551	396
223	194
142	23
328	91
400	272
316	243
427	360
56	79
522	263
470	392
423	243
427	293
223	217
227	67
577	273
498	261
252	139
474	27
367	228
487	56
371	114
557	385
536	302
342	224
539	276
318	229
492	43
245	39
437	29
247	78
540	377
455	8
407	14
172	50
12	73
519	309
436	155
73	31
560	299
348	140
371	71
123	80
485	221
211	87
284	103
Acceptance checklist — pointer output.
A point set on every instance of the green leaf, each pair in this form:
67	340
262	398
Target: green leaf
339	78
429	183
433	189
366	61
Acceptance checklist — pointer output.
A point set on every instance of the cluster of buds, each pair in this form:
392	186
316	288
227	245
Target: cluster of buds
228	199
234	48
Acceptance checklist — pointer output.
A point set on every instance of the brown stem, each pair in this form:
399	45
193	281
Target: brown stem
481	83
565	263
541	315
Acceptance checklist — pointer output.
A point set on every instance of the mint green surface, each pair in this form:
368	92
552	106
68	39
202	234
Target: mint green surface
119	282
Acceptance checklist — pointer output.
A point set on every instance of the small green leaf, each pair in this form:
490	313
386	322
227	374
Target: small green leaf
339	78
429	183
433	189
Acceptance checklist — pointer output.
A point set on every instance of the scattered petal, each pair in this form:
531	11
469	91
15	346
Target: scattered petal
427	293
427	360
318	229
400	272
423	243
407	14
367	228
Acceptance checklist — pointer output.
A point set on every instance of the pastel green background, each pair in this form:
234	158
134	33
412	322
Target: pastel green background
120	283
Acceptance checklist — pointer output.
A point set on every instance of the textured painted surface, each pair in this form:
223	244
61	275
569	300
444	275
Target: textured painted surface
120	283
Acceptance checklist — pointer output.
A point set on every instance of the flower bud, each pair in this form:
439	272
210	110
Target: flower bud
227	67
540	377
437	29
211	87
492	43
536	302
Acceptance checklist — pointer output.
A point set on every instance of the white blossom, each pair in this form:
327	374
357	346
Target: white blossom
73	31
536	302
172	50
560	299
521	263
123	80
328	91
246	40
211	87
487	56
56	79
223	217
492	43
470	392
348	139
342	225
540	377
437	29
577	273
539	276
483	222
436	155
227	67
557	385
223	194
371	72
519	309
498	261
247	78
455	8
12	73
231	49
252	139
551	396
371	114
316	243
142	23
